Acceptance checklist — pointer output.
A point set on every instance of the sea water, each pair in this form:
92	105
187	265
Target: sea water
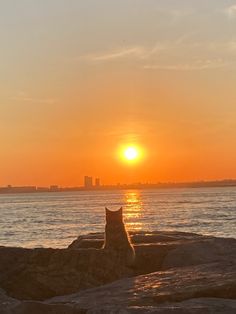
56	219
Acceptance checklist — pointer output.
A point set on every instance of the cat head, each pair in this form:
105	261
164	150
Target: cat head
114	216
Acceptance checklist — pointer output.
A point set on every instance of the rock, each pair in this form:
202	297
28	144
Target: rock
7	304
174	272
192	306
12	306
202	251
32	307
216	280
92	240
96	240
164	250
44	273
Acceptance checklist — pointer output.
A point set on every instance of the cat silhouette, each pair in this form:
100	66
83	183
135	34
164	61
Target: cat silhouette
116	236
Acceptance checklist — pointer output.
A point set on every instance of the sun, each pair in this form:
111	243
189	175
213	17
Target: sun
131	153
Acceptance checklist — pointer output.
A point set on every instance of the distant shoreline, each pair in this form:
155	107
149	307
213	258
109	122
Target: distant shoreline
137	186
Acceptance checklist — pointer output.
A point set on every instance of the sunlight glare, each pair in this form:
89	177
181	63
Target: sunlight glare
131	153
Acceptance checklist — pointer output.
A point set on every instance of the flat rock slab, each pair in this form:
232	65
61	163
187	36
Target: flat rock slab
96	240
192	306
216	280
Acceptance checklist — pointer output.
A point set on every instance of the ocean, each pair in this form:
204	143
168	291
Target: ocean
56	219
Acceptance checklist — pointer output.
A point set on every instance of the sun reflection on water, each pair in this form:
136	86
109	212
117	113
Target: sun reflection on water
133	210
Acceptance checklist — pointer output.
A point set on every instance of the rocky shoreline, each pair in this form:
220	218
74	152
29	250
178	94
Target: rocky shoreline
174	272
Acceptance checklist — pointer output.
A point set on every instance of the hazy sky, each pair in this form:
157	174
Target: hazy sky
80	78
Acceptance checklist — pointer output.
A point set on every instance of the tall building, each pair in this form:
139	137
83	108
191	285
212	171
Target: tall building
97	182
88	182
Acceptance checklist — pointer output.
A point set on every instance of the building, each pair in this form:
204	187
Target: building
97	182
88	182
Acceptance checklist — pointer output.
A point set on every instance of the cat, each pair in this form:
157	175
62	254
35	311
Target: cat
117	238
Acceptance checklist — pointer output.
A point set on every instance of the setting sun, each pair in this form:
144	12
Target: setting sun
131	153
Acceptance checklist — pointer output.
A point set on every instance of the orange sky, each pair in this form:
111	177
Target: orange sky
78	80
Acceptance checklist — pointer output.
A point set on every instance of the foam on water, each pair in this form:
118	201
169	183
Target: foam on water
56	219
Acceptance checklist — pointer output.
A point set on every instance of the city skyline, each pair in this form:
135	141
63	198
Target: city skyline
92	184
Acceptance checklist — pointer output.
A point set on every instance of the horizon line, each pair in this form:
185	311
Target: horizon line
122	184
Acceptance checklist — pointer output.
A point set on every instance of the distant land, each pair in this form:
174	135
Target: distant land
55	188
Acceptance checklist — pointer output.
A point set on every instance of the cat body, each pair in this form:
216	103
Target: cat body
117	238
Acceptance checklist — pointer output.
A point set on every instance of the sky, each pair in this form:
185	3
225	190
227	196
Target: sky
79	79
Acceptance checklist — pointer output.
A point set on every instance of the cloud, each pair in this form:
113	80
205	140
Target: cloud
24	97
168	55
138	52
231	11
195	66
226	47
117	54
